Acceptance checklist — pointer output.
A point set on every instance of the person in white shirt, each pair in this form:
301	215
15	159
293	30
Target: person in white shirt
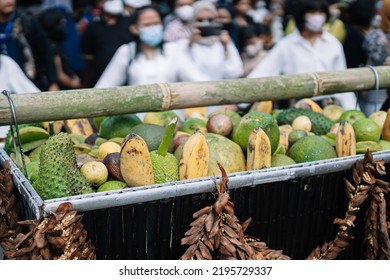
13	79
216	55
308	49
147	60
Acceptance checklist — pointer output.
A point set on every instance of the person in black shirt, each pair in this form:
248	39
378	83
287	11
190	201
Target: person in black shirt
53	21
23	39
103	37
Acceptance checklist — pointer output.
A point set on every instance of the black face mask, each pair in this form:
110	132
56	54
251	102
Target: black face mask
228	26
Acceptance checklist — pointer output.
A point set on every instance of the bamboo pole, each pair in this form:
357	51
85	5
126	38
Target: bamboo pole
82	103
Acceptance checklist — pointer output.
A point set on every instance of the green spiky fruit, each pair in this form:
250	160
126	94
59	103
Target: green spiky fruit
320	124
58	173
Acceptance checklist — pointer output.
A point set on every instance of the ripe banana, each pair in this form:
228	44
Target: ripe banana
79	127
135	164
262	106
194	159
259	150
307	103
345	140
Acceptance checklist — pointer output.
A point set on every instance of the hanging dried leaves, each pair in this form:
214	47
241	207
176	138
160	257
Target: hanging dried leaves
216	233
9	210
60	236
365	186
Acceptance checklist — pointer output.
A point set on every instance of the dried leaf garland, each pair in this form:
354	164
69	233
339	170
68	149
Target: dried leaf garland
60	236
216	233
365	186
9	213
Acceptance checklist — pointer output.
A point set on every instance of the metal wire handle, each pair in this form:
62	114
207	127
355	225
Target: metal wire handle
15	123
376	85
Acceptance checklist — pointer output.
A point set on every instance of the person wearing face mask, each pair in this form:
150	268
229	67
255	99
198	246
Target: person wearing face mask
308	49
210	47
148	60
102	38
254	50
334	24
178	24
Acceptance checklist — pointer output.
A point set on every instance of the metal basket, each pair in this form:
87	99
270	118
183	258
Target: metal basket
292	208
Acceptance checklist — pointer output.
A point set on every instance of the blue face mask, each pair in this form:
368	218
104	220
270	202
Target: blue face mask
151	35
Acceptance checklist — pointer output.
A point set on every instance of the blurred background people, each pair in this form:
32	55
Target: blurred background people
178	24
54	22
369	46
225	17
259	11
131	5
210	47
334	25
12	77
253	49
23	39
308	49
148	60
90	14
102	38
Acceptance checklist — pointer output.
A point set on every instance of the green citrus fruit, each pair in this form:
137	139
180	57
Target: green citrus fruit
111	185
281	160
118	125
367	130
311	148
352	116
251	121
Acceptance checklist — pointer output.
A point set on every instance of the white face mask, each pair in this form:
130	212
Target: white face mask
185	13
261	5
253	49
315	23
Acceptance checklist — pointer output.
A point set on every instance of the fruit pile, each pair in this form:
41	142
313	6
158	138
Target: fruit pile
76	157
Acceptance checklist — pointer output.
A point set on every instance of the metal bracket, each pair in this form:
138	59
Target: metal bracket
15	124
376	85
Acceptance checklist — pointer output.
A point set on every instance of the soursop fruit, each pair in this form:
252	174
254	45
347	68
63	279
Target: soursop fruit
58	173
320	124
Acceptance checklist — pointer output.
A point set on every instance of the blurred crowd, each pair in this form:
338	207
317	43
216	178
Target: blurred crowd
50	45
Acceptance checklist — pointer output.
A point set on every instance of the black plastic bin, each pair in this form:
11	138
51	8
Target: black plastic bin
292	209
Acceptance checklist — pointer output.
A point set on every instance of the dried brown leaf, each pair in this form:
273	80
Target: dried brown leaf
209	222
229	231
193	230
221	202
215	229
192	239
204	251
209	242
199	222
202	211
225	242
